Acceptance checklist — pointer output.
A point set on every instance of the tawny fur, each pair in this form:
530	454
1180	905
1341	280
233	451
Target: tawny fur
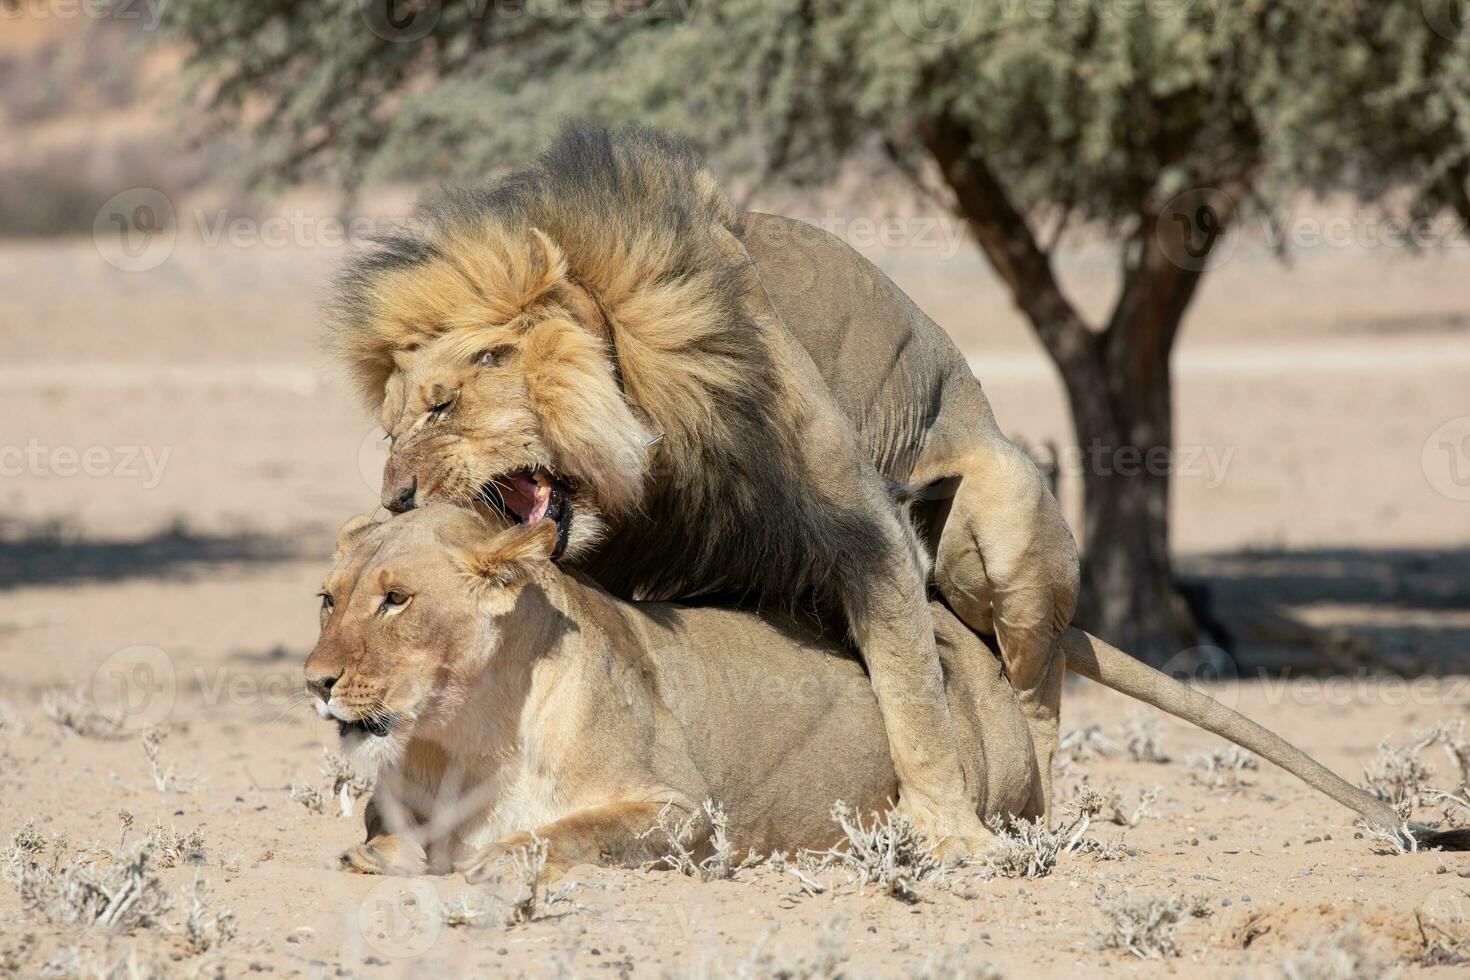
725	425
539	703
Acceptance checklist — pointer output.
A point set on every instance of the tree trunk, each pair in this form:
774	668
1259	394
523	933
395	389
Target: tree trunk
1124	433
1118	386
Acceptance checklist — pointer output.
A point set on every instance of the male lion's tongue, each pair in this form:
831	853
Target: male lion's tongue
527	496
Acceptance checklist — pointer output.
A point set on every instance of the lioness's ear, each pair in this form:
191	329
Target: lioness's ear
351	534
497	568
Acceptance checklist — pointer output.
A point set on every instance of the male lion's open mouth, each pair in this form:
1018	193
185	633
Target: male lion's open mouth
528	496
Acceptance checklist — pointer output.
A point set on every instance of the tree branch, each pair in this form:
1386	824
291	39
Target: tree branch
1009	244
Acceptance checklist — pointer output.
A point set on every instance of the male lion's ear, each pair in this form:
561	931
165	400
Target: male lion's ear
351	534
497	568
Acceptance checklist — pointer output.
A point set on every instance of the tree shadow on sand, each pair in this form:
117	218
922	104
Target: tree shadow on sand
51	553
1404	611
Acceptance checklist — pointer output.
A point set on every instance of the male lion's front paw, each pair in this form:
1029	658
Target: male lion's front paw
956	836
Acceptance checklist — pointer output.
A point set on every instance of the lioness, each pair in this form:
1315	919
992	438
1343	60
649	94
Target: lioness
501	696
602	342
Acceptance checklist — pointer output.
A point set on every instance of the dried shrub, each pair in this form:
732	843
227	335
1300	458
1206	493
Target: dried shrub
889	852
77	715
1142	926
1223	768
1344	955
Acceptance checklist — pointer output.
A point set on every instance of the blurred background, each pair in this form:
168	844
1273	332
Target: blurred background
1208	258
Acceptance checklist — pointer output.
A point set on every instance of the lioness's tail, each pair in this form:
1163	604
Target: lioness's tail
1112	668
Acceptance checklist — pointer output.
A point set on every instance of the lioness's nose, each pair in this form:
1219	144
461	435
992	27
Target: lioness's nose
321	685
398	495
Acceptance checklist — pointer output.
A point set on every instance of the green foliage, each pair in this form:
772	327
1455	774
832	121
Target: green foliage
1105	107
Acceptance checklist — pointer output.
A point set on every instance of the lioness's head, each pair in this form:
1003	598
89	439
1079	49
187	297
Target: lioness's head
413	612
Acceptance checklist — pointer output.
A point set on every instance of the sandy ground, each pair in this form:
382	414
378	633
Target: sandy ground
179	453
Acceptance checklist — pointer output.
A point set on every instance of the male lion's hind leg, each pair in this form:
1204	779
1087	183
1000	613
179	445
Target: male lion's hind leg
1006	564
614	834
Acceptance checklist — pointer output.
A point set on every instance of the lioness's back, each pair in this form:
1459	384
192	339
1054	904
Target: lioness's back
775	717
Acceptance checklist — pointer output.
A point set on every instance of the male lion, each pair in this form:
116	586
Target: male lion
604	343
500	695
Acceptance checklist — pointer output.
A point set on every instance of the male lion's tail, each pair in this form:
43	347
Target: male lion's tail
1112	668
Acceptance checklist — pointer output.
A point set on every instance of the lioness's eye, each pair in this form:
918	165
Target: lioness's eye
393	600
326	602
440	409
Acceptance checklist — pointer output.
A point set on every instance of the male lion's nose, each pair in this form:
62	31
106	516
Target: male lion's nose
398	496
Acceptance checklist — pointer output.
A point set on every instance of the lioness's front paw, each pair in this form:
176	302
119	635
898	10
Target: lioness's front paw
383	855
488	863
364	859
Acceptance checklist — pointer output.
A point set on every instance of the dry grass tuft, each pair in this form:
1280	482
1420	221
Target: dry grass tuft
1223	768
1031	849
77	715
1344	955
10	720
206	928
1142	739
172	848
825	962
463	912
308	796
119	892
165	778
347	786
956	962
1025	849
888	852
1398	775
516	885
74	963
1084	744
679	835
1142	927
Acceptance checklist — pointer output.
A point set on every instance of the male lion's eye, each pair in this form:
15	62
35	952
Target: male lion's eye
490	358
393	600
326	601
